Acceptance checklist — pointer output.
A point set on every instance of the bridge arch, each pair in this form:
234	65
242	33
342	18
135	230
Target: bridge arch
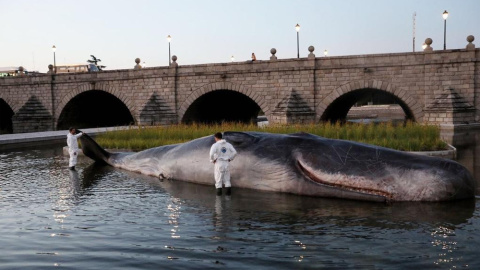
231	90
94	86
103	102
6	115
10	102
337	104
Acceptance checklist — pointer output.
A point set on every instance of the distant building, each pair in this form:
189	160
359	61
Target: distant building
10	71
74	68
15	71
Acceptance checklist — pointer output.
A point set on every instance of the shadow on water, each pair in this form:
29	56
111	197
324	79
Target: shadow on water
87	178
257	206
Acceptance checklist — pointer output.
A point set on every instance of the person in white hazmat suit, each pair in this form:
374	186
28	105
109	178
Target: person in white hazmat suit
221	153
73	147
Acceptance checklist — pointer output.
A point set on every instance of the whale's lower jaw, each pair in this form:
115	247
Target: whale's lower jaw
366	191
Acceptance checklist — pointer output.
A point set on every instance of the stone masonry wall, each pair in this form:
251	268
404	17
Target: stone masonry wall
265	83
476	86
413	77
30	99
161	95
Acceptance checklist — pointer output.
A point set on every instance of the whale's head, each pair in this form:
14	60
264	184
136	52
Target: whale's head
306	164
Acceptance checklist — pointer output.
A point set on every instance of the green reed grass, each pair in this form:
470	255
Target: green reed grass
407	137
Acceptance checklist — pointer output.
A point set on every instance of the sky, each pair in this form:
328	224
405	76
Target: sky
211	31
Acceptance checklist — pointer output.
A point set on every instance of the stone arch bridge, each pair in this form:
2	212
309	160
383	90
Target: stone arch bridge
440	87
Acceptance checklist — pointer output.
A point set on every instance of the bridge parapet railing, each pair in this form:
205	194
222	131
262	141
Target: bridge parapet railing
330	62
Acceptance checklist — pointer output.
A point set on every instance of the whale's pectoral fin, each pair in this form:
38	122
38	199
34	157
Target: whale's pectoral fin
92	150
239	138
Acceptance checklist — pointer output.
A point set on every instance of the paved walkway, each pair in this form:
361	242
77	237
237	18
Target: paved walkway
9	141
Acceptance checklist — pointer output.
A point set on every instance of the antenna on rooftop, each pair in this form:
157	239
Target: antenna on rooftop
33	60
414	26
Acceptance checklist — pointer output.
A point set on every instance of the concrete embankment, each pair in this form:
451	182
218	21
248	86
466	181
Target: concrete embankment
22	140
384	113
450	153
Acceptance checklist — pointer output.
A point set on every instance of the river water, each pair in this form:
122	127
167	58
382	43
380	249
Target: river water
100	217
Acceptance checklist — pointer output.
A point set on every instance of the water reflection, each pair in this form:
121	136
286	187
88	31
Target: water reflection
444	239
259	206
221	216
173	218
297	217
87	178
68	194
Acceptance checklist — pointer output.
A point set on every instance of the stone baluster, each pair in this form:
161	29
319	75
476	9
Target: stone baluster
311	55
174	61
470	45
50	69
137	66
428	42
273	51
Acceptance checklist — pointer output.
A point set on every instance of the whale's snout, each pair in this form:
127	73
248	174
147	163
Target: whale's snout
452	181
463	184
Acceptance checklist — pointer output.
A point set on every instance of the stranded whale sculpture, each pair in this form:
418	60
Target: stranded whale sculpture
303	164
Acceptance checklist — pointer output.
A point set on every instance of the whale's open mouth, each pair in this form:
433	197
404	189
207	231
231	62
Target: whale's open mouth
369	191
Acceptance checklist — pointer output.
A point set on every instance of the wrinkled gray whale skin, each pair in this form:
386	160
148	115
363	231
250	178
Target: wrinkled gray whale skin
303	164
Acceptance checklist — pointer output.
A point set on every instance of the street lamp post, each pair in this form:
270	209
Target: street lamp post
297	27
169	38
445	16
54	60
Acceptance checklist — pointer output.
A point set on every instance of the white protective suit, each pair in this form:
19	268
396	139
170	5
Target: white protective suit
73	148
222	153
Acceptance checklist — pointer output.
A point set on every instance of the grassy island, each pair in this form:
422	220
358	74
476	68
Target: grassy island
408	137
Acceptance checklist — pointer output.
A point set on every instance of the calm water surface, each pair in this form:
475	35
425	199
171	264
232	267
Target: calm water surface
100	217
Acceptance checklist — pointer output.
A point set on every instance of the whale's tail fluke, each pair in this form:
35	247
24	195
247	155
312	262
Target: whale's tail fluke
92	150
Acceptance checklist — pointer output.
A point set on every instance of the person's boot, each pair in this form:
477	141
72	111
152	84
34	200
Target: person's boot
219	191
229	191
